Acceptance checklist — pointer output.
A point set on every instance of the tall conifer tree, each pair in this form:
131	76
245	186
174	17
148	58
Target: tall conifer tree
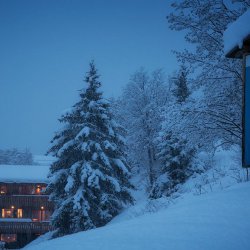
89	182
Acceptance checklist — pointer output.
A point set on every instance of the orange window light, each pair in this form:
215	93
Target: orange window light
19	213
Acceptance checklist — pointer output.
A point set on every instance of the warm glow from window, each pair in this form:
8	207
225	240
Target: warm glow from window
6	213
3	189
38	190
19	213
12	213
8	238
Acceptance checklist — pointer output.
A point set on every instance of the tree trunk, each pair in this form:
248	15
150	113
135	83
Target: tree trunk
151	172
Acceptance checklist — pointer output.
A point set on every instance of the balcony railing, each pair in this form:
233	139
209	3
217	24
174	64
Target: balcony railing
32	201
24	227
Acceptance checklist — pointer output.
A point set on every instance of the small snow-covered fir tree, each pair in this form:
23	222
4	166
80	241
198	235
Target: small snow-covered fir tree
176	159
89	183
181	91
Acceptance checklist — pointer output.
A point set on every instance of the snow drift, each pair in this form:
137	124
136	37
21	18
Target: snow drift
217	220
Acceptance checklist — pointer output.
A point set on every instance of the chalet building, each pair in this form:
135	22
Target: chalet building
24	206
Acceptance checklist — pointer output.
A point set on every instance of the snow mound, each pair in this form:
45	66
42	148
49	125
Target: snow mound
219	220
222	170
219	170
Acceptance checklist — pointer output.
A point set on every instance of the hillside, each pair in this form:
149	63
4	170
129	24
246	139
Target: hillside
218	220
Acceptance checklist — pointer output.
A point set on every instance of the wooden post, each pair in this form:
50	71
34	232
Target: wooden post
244	163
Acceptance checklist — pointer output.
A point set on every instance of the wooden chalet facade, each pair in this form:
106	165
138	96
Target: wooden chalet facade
24	206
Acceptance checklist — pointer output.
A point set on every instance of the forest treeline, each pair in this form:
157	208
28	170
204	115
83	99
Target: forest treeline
16	156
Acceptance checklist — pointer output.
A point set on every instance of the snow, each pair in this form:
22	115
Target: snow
24	174
14	220
78	198
223	169
70	183
43	160
40	239
120	164
93	179
237	32
84	132
210	211
111	131
65	147
219	220
114	183
108	145
94	156
92	104
104	158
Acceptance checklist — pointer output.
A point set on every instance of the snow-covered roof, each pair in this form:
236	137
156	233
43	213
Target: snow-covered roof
24	174
236	33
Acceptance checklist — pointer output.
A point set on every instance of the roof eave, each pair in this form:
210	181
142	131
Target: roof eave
237	52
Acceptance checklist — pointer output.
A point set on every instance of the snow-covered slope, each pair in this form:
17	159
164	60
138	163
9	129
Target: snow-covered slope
217	220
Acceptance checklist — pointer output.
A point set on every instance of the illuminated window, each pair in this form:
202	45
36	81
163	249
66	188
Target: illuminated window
41	215
7	213
38	189
19	213
8	238
3	190
12	213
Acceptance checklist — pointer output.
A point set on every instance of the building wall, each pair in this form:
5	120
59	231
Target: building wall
24	213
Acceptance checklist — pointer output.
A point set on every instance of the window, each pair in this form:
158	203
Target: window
36	215
7	213
39	189
26	189
8	238
19	213
12	213
31	189
41	215
43	189
3	190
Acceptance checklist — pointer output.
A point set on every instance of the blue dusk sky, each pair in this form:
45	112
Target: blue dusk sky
46	46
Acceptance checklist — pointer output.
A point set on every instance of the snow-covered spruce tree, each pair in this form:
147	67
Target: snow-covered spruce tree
89	183
176	161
